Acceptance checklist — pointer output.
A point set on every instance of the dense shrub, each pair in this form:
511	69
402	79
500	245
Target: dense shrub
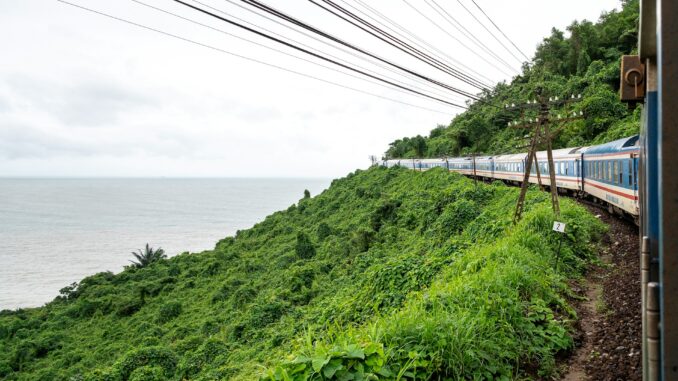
148	373
304	247
149	357
169	311
323	231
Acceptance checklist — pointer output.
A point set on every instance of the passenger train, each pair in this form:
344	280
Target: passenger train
606	173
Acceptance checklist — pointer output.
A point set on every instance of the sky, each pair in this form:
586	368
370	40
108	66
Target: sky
84	95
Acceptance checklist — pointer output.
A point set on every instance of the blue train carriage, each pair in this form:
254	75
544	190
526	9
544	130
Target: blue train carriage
485	166
510	168
463	165
611	174
426	164
567	164
392	163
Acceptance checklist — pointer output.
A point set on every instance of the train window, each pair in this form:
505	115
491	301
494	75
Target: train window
606	166
600	170
628	170
609	171
615	170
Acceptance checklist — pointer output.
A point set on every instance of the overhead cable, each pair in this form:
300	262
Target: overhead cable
316	55
464	31
460	42
274	49
429	87
408	35
490	32
399	44
295	21
499	29
247	58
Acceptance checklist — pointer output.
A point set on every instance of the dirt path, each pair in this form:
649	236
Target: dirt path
587	324
610	328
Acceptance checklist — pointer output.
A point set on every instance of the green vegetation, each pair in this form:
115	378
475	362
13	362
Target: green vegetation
147	257
388	275
585	63
389	272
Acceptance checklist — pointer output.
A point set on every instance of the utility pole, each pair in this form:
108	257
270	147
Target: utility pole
475	175
541	134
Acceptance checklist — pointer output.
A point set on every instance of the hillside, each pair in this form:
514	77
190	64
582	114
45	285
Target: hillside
586	62
389	274
387	271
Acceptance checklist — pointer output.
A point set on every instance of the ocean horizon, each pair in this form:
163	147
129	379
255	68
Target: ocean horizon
57	230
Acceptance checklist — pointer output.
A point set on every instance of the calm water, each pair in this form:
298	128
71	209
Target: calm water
56	231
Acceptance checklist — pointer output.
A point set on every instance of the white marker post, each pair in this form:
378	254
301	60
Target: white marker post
559	227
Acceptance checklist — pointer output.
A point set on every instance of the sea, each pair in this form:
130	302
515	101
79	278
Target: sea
54	232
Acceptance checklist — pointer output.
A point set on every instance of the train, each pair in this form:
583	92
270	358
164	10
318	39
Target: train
605	173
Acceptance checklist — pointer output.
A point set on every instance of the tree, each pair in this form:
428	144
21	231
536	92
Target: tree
307	194
148	256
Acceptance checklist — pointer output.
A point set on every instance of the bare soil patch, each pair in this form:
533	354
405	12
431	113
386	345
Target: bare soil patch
609	337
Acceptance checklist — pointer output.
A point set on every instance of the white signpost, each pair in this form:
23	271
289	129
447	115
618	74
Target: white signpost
560	228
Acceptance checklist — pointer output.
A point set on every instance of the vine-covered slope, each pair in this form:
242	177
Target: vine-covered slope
391	272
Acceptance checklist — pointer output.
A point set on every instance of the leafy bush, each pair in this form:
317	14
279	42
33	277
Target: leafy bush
169	311
304	247
350	362
323	231
149	357
148	373
210	354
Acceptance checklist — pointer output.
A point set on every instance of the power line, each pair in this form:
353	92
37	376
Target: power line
400	45
248	58
340	47
404	46
417	38
500	31
268	47
464	31
297	22
429	88
448	61
488	31
312	53
459	41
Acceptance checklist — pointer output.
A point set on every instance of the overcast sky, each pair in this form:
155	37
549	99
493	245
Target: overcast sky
85	95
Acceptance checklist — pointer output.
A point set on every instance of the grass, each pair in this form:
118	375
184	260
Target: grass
389	273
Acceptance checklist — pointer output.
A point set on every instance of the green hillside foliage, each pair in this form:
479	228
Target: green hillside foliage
586	63
389	274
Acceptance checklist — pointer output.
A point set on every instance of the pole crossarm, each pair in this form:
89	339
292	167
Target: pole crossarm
541	133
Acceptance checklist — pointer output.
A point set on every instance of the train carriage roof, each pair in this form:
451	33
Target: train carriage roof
511	157
483	158
563	153
436	160
620	145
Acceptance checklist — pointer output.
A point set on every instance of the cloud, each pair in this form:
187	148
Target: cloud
84	101
4	105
